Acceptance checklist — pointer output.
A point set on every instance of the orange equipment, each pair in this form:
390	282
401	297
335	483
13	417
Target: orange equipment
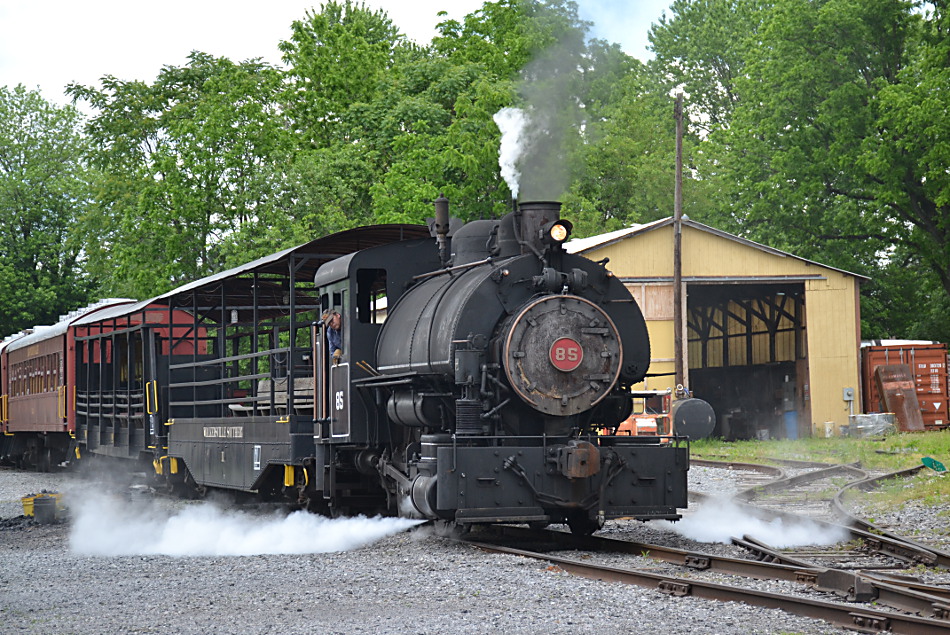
651	414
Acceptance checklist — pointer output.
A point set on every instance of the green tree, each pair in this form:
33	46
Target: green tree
440	139
410	123
44	187
533	55
828	135
907	152
193	164
506	35
821	161
356	87
701	50
326	190
418	122
338	56
628	164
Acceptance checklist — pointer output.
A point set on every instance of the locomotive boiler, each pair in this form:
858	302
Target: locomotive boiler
498	369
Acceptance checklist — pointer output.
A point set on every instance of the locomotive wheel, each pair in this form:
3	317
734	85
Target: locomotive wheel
582	525
44	462
316	504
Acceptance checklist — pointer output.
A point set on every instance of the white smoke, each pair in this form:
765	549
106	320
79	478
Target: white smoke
406	508
108	526
512	123
720	519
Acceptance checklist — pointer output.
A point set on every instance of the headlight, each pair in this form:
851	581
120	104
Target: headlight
556	232
559	233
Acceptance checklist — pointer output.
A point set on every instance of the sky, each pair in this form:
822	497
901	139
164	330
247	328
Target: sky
50	43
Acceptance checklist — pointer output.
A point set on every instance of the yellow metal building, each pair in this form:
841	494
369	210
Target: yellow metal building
772	339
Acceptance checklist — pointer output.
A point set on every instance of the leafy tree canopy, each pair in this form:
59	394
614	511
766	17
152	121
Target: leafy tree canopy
44	188
826	132
338	57
192	163
816	126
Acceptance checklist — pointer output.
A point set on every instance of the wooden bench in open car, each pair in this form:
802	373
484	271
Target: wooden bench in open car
272	395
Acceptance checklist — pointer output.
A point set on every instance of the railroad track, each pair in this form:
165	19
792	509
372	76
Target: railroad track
817	494
839	586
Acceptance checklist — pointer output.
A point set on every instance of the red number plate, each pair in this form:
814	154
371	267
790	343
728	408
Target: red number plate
566	354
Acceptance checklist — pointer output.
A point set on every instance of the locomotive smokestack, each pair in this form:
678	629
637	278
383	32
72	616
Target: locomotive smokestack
536	215
442	225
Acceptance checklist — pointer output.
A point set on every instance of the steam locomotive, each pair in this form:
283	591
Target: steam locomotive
481	366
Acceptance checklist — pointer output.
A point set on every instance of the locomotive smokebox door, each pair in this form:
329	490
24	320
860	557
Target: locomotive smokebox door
562	354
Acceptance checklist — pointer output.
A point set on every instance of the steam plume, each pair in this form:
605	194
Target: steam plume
112	527
537	140
511	122
720	520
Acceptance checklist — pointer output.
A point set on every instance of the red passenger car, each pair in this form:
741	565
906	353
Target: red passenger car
87	383
4	397
37	390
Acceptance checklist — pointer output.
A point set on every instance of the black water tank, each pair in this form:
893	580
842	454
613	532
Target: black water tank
693	418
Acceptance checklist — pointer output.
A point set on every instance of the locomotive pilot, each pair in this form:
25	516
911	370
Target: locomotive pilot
333	321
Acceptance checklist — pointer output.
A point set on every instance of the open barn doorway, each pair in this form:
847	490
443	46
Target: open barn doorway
747	357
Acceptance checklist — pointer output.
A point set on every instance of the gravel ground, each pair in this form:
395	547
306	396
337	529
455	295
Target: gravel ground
412	582
914	519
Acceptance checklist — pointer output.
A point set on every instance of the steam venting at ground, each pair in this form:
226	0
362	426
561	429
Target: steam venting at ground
537	138
720	520
111	526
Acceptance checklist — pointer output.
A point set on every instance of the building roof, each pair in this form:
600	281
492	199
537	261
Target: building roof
582	245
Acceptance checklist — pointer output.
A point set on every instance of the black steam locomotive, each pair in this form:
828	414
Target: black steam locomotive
479	373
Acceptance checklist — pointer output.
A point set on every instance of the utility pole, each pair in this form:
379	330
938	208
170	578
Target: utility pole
678	326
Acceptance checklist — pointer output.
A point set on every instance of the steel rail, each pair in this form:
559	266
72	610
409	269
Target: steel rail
877	539
839	614
771	470
860	587
801	479
777	566
892	592
912	584
562	541
905	599
799	463
896	547
941	557
766	553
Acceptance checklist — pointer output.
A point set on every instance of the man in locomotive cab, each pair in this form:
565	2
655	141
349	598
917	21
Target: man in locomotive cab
333	322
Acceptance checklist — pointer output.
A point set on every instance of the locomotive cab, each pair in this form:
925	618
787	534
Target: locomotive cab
350	433
361	287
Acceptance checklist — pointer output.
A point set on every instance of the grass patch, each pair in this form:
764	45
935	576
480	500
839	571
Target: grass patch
890	454
926	488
